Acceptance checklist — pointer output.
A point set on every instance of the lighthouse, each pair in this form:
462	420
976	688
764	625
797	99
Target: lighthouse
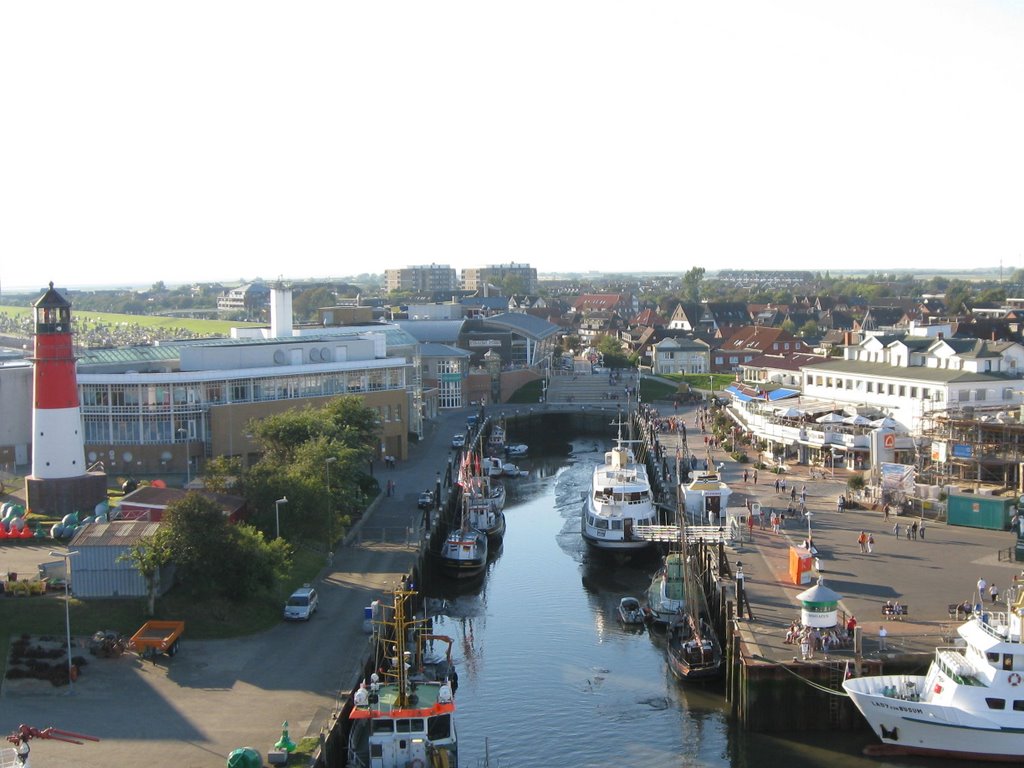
59	483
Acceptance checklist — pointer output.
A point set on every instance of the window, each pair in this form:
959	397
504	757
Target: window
1018	705
913	392
995	703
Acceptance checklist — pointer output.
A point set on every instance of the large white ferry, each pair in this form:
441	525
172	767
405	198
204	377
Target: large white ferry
620	499
970	704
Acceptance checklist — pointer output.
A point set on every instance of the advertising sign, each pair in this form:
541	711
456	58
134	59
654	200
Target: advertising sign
898	477
963	450
939	452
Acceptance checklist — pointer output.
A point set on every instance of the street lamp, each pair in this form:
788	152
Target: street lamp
277	513
327	466
66	556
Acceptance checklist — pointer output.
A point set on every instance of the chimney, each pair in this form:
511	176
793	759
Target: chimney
941	335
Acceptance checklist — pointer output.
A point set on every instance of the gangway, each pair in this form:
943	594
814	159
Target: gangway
671	533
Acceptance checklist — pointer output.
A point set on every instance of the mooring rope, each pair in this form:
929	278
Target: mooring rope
802	679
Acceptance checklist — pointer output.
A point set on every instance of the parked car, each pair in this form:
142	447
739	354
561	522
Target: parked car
459	441
302	604
426	500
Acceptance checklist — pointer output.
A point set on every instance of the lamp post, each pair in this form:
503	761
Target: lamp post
66	556
277	513
330	540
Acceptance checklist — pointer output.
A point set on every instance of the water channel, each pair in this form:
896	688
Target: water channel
548	677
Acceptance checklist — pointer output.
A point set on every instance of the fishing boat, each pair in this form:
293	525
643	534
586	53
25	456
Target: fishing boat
967	706
464	553
693	651
516	450
666	596
620	499
484	502
496	440
404	714
631	614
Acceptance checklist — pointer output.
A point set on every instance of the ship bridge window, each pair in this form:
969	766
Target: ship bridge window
383	726
992	657
995	703
1018	705
412	725
616	525
439	727
602	523
1007	661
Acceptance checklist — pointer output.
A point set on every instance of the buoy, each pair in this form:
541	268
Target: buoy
285	742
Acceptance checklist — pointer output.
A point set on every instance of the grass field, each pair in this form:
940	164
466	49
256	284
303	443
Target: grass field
204	327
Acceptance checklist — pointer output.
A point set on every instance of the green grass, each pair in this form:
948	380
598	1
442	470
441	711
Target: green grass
204	619
204	327
652	389
528	393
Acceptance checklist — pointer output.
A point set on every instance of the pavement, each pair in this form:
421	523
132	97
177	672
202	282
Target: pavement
924	574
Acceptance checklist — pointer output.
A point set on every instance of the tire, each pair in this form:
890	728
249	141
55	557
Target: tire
173	650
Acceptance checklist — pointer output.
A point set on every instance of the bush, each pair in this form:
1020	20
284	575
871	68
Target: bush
855	483
740	457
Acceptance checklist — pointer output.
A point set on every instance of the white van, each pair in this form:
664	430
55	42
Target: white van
301	605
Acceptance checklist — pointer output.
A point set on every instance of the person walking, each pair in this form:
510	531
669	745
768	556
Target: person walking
913	529
882	635
908	533
982	586
885	512
862	541
871	543
920	528
755	476
993	593
896	529
805	643
803	493
776	485
744	475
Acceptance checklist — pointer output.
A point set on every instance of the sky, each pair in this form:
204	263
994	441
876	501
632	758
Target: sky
220	141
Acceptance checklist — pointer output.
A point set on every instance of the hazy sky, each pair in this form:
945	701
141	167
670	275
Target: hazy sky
212	140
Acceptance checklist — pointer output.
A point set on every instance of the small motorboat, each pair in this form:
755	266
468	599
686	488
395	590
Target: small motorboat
508	469
630	612
516	449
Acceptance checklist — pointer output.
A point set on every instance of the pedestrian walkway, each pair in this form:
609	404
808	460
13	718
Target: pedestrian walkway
924	574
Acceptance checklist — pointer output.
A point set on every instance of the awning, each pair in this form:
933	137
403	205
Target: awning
745	394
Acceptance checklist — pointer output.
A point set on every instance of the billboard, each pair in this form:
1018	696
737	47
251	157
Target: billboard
939	452
898	478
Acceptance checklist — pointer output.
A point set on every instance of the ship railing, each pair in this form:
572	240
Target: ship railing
997	625
672	533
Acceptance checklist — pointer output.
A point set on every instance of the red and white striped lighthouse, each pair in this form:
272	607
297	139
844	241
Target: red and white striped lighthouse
58	447
59	482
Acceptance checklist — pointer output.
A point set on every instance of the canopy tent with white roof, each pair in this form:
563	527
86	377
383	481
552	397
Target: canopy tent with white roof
830	418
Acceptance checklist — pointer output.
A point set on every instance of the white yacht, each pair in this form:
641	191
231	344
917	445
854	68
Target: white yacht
620	499
970	704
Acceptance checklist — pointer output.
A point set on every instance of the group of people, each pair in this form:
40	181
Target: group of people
825	639
912	530
866	542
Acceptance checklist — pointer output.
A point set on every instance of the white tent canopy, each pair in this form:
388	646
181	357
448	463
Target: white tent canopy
830	418
789	413
857	420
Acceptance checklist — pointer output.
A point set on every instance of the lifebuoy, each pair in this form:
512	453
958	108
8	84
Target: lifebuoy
1014	679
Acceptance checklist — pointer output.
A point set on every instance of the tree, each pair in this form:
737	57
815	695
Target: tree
213	555
692	283
809	329
149	554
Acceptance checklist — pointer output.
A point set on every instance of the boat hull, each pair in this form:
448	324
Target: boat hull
919	727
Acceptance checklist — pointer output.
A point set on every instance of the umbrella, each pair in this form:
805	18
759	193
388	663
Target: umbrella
856	420
830	418
790	413
884	423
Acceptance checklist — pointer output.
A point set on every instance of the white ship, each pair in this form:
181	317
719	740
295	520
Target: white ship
620	499
970	704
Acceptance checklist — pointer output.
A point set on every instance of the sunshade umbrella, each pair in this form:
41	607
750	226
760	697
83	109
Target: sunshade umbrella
830	418
790	413
884	423
856	420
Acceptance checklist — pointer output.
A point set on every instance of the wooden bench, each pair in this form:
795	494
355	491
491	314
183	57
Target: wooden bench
895	612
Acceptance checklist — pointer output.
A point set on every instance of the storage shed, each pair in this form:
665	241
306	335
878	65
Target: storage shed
95	569
979	511
150	502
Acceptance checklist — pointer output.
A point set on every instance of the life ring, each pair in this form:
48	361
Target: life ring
1014	679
